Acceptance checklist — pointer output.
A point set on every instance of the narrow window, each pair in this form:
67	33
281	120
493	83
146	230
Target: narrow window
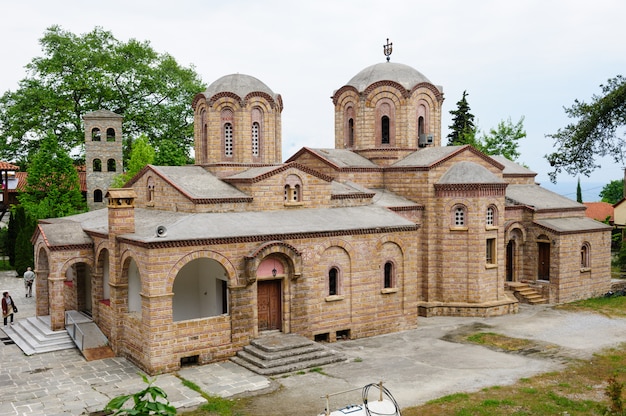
490	251
459	216
224	287
97	195
255	139
420	126
228	139
150	189
490	216
388	280
296	193
287	192
384	124
351	132
332	281
97	165
111	165
110	134
584	256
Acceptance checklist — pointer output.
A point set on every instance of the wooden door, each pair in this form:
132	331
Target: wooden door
269	304
543	268
510	260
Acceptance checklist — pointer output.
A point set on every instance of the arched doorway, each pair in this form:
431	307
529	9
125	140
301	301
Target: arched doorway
270	275
543	264
510	260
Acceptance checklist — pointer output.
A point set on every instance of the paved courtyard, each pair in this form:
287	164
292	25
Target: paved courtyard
416	365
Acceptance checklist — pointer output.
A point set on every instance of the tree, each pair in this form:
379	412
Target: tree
594	134
579	193
93	71
613	192
141	155
503	140
462	130
53	188
21	250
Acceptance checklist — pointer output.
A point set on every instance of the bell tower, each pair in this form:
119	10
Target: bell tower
103	154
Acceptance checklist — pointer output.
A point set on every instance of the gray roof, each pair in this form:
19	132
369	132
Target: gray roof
198	183
344	158
468	172
196	226
348	188
239	84
538	197
512	168
102	114
573	224
253	172
404	75
389	199
427	156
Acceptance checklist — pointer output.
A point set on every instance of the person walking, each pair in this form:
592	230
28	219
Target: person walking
7	307
29	278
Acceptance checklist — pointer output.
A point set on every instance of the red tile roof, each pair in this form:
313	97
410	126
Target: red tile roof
599	210
7	166
22	177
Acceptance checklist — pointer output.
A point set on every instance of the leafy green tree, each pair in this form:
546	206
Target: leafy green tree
82	73
504	139
579	193
595	134
12	230
22	227
462	130
170	153
613	192
53	188
141	155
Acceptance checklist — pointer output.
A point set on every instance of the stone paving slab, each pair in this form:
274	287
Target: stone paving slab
63	383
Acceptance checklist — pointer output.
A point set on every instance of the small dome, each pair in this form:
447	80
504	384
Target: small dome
404	75
239	84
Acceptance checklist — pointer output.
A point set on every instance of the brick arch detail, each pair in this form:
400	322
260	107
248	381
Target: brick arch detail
287	251
231	271
333	242
71	261
509	228
393	240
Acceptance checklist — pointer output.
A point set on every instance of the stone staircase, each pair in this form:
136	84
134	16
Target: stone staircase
525	293
279	353
33	335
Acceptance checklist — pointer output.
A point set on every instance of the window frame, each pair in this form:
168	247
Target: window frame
585	256
455	224
491	252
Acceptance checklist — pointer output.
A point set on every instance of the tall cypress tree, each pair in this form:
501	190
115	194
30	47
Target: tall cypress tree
462	130
579	193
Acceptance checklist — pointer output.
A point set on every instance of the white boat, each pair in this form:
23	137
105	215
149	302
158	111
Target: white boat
382	405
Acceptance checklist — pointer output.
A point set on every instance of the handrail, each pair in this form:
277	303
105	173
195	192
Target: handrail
69	320
329	395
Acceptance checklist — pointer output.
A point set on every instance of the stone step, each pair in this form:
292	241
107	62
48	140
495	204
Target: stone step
279	353
283	359
288	368
33	336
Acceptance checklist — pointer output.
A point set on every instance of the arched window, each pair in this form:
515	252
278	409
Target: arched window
228	140
110	134
420	126
585	251
333	281
388	279
351	132
459	212
150	183
95	134
97	165
293	189
491	216
111	165
255	139
97	195
384	125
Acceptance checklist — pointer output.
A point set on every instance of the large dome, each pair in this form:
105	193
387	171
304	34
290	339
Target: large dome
239	84
404	75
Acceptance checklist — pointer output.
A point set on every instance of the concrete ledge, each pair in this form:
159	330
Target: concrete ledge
495	308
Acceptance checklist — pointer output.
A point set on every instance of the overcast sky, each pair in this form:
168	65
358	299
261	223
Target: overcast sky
515	58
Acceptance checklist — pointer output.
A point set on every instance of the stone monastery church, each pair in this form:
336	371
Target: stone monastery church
191	263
